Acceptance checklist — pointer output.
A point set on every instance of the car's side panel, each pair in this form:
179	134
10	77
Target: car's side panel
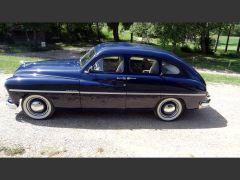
146	91
151	101
63	92
102	91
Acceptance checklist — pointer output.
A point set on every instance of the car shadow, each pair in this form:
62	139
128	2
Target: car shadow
96	119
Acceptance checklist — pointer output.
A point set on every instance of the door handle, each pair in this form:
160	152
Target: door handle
121	78
129	78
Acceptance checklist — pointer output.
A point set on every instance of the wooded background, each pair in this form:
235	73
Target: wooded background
204	37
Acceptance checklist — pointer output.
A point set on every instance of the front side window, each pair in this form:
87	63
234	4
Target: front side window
112	64
144	65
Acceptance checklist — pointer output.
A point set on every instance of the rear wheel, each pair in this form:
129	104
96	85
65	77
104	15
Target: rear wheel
169	109
37	107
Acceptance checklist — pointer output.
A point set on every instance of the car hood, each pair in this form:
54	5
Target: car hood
61	67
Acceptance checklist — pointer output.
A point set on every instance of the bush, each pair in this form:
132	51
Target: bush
186	48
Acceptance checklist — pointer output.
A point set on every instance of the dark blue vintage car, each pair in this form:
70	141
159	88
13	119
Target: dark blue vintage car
110	75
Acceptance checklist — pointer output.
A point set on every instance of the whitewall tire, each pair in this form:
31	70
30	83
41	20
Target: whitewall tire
169	109
37	107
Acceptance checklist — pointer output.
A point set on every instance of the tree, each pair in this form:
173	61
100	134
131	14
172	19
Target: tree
228	36
144	30
114	28
219	33
238	47
4	31
127	26
201	32
98	32
174	33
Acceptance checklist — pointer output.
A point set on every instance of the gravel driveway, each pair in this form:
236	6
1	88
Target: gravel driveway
211	132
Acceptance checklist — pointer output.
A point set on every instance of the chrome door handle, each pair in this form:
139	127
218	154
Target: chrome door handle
128	78
121	78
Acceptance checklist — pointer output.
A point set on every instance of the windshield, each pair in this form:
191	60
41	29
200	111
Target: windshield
88	56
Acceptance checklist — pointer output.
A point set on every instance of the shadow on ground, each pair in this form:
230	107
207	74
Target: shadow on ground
89	119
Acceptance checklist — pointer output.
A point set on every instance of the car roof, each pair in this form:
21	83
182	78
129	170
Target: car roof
130	48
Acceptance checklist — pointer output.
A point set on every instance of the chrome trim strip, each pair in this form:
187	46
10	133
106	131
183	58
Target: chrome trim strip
113	93
148	94
104	93
44	91
166	94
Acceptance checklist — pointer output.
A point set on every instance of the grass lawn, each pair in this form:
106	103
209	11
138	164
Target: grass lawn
8	64
212	62
219	78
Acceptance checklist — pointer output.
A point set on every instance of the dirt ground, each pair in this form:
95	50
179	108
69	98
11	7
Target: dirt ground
211	132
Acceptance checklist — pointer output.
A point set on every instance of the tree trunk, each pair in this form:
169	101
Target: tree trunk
114	27
204	43
205	40
98	33
34	38
238	48
174	45
219	32
229	33
131	37
27	37
115	32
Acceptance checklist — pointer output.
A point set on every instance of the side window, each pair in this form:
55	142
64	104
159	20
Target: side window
109	64
144	65
170	69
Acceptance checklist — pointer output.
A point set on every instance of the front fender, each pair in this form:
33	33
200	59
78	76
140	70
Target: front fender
56	89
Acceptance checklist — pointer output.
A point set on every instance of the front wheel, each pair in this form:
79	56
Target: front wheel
169	109
37	107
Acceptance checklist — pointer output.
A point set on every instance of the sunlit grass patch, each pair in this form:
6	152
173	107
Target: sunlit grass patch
8	64
221	78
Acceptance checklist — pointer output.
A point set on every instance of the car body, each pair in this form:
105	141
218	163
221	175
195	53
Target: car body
110	75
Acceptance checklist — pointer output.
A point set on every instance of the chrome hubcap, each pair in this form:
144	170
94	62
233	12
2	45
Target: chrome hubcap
169	108
37	106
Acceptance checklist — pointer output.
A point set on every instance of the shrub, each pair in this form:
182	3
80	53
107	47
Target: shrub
186	48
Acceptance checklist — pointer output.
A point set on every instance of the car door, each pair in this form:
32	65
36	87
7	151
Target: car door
143	82
103	83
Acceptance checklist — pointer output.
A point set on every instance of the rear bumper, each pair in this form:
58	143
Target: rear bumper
205	103
10	104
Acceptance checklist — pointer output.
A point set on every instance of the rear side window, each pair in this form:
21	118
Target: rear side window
171	69
144	65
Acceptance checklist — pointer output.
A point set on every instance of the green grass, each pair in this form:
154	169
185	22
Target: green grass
219	78
8	64
214	62
232	44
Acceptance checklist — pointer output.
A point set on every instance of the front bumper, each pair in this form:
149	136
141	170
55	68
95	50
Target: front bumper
205	103
10	104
